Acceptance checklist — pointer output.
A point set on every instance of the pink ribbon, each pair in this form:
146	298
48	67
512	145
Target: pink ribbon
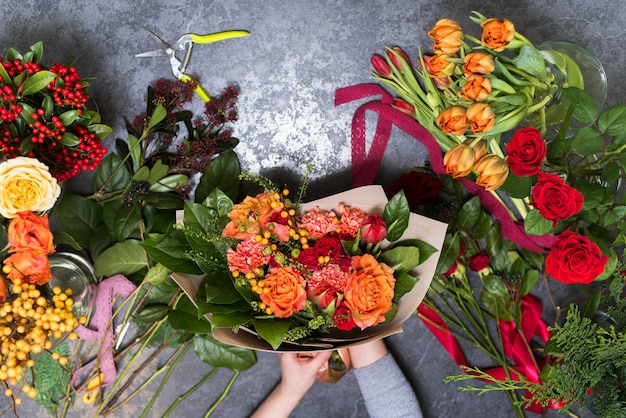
366	164
100	327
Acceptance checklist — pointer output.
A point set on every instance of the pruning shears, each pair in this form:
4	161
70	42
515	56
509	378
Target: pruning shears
185	43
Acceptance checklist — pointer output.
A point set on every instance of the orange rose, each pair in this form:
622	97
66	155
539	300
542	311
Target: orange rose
438	66
492	171
250	216
480	117
479	62
3	289
497	33
447	36
453	120
459	161
286	293
29	267
28	231
476	89
369	290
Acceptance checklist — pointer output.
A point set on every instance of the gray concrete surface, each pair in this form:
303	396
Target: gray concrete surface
299	52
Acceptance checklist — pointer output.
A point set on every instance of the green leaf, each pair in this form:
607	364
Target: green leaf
470	213
401	259
586	141
134	146
151	313
69	139
482	226
170	183
592	303
498	306
230	319
126	222
517	187
223	173
62	237
610	172
495	285
404	284
183	320
531	61
449	254
272	330
535	224
426	250
170	250
586	109
37	82
124	258
529	281
100	130
157	116
613	120
111	175
157	274
217	354
219	288
142	174
79	217
158	171
6	79
219	201
68	117
396	216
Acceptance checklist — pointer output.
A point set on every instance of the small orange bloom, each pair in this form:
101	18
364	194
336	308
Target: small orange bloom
438	66
3	289
497	33
459	161
453	120
479	62
492	171
476	89
286	292
480	117
447	36
29	267
249	217
28	231
369	291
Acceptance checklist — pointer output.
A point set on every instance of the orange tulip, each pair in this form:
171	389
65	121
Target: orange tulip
492	171
497	33
447	36
476	89
480	149
480	117
459	161
438	66
453	120
479	62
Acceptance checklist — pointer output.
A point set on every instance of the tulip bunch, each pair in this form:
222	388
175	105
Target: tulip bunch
470	91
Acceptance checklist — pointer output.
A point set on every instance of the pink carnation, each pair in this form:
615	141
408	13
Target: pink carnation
318	223
247	256
350	220
329	277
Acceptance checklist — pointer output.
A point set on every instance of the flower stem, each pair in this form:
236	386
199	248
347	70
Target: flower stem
189	392
222	396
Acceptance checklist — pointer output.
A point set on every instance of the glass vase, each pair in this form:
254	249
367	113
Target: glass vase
571	65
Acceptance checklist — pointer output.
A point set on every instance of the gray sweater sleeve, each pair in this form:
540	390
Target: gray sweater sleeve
386	391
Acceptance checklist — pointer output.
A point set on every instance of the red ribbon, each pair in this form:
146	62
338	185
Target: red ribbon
365	164
364	168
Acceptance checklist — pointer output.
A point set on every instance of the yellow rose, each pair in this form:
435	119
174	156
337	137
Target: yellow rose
26	185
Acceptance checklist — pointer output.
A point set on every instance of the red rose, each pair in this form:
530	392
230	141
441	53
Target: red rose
309	258
374	229
343	318
419	188
478	262
328	246
554	199
575	259
526	152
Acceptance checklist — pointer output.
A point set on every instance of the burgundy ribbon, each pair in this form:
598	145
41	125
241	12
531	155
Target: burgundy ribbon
365	164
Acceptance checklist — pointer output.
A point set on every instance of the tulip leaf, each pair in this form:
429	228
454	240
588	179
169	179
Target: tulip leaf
396	216
531	61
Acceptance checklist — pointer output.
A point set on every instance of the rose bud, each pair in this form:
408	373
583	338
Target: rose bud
479	263
492	171
497	33
373	229
479	63
459	161
404	107
476	89
397	57
438	66
480	117
447	36
453	120
381	67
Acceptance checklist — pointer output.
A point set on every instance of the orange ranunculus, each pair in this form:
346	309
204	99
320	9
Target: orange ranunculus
29	267
476	89
250	216
492	171
497	33
438	66
453	120
3	289
286	294
28	231
479	62
447	36
480	117
459	161
369	290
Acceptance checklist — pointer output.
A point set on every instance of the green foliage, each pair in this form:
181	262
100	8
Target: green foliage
52	380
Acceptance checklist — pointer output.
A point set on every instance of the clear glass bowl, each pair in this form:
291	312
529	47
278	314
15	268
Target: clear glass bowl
71	271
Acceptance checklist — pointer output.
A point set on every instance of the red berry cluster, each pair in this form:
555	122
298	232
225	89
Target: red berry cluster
43	137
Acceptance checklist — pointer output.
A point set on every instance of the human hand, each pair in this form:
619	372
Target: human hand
299	371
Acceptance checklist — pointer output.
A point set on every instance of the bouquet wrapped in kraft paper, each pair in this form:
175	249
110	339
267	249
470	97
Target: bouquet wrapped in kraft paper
283	276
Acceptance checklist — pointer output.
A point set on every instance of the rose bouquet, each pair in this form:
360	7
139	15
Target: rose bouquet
303	277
